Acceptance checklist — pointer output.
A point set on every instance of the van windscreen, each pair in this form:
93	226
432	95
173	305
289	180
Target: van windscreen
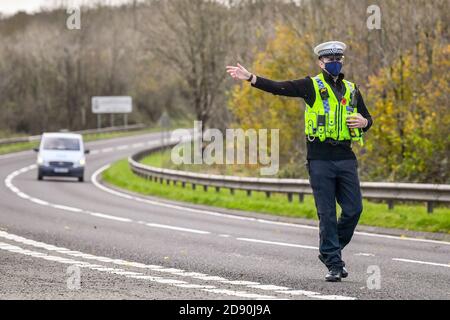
54	143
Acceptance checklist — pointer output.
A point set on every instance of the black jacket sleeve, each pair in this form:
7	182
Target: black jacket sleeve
295	88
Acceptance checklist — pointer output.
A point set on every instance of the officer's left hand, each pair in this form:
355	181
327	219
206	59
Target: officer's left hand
356	121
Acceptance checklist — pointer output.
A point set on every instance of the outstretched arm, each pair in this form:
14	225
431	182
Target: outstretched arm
295	88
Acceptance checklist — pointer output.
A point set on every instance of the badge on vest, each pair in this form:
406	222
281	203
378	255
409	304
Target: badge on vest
324	93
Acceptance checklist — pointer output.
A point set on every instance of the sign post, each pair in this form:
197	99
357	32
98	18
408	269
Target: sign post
112	105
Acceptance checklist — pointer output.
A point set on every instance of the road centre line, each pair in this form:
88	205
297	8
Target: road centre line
94	179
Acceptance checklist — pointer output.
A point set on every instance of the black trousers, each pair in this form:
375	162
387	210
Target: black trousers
333	181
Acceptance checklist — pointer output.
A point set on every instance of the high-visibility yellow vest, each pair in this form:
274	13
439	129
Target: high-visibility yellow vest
327	117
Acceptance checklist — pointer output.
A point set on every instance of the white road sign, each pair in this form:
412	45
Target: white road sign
112	104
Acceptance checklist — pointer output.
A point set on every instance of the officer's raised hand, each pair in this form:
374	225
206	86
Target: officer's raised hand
356	121
239	72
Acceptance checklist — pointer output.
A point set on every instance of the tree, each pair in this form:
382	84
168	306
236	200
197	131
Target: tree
283	59
411	138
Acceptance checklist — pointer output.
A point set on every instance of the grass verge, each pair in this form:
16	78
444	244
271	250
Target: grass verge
407	217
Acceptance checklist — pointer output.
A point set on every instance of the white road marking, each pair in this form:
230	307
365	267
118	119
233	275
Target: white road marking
135	275
38	201
299	292
194	286
211	278
163	226
94	180
128	274
364	254
242	283
106	150
59	206
423	262
242	294
332	297
8	183
171	270
269	287
138	145
107	216
278	243
125	147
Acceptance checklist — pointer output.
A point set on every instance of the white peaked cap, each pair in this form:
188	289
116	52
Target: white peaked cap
330	48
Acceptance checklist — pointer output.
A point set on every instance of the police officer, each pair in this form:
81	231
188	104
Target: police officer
335	116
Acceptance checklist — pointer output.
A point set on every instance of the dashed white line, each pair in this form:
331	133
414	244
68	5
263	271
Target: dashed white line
278	243
138	145
107	216
67	208
362	254
94	180
423	262
8	183
163	226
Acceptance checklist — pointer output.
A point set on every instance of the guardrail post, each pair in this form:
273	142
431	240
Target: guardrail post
161	180
390	204
249	193
205	188
267	194
183	184
289	197
232	191
217	189
430	206
168	182
193	186
301	197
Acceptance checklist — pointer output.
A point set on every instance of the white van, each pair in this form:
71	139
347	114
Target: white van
61	154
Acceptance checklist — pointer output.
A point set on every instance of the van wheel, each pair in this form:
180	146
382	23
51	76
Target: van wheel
80	179
40	176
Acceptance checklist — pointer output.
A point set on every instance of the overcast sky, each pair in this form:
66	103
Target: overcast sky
8	7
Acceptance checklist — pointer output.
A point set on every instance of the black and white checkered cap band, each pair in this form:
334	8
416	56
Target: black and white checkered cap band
330	52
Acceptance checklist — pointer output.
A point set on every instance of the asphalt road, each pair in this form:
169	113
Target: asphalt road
56	231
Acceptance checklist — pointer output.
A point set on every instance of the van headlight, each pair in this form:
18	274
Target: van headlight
82	162
40	160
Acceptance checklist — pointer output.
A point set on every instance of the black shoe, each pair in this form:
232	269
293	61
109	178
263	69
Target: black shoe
334	275
344	272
